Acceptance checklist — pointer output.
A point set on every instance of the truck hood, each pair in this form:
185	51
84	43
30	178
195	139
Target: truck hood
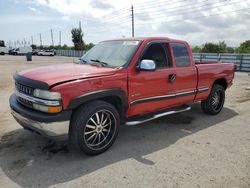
55	74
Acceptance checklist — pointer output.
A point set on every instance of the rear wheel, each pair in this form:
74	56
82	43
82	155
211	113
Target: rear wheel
215	101
94	127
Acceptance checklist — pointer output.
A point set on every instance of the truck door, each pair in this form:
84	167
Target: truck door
185	81
150	91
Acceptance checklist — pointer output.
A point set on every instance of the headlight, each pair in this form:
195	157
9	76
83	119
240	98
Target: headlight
44	94
48	109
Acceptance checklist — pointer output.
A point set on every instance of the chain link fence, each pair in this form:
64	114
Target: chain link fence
70	53
241	60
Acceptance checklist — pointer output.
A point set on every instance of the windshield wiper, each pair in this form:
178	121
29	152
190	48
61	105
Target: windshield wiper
81	61
100	62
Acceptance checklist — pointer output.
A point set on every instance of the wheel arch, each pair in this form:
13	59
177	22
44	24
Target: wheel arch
222	82
117	97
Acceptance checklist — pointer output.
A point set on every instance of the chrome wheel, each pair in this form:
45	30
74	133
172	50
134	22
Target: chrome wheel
100	129
217	100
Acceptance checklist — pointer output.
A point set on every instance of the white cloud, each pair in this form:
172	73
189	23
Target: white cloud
195	21
34	9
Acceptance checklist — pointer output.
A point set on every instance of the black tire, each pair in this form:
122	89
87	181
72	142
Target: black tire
104	127
215	101
2	53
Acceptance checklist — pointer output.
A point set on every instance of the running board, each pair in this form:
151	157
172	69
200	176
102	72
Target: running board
146	118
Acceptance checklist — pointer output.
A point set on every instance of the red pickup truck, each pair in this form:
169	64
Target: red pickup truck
125	81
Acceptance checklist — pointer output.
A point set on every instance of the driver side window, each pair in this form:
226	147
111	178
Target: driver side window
158	53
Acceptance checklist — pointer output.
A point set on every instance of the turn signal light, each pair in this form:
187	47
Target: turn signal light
54	109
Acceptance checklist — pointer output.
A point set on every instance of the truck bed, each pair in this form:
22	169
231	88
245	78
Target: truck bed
209	71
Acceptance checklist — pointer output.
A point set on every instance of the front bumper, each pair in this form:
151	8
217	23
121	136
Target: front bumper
54	126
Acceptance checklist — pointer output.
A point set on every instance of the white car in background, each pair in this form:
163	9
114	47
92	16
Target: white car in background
46	53
22	50
3	50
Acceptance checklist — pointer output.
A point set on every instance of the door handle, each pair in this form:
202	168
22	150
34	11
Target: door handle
172	78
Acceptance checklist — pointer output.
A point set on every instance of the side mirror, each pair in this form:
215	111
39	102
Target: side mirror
147	65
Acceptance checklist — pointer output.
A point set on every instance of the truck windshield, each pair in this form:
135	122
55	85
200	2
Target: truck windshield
111	53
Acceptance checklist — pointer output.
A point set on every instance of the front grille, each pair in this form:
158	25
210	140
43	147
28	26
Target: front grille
24	89
25	102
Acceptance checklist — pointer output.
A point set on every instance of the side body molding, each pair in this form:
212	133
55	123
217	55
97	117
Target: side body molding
116	92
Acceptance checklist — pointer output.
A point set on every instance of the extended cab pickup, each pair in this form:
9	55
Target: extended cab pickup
126	81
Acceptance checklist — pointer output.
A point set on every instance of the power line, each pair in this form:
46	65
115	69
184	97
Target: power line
152	15
175	20
122	20
163	16
189	10
157	5
125	9
216	14
178	7
184	8
113	19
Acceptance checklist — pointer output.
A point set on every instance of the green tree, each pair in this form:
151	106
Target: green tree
33	46
89	46
41	47
65	47
230	50
77	39
196	49
210	48
244	47
51	47
222	47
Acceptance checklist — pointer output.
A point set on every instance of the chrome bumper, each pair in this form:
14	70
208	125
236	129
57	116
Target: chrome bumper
53	130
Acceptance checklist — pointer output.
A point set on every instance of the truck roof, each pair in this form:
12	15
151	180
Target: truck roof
147	39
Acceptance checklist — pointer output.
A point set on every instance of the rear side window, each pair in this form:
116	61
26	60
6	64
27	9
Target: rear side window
181	56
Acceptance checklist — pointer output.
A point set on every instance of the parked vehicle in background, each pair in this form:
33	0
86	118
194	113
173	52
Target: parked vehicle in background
4	50
35	52
125	81
46	53
11	50
22	50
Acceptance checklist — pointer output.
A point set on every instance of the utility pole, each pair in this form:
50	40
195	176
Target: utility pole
60	35
41	42
132	16
52	40
32	40
80	25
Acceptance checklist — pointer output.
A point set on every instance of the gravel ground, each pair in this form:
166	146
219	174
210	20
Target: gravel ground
190	149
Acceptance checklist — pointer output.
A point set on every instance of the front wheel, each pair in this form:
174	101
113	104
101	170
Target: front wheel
215	101
94	127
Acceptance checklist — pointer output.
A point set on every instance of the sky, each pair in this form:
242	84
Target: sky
196	21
